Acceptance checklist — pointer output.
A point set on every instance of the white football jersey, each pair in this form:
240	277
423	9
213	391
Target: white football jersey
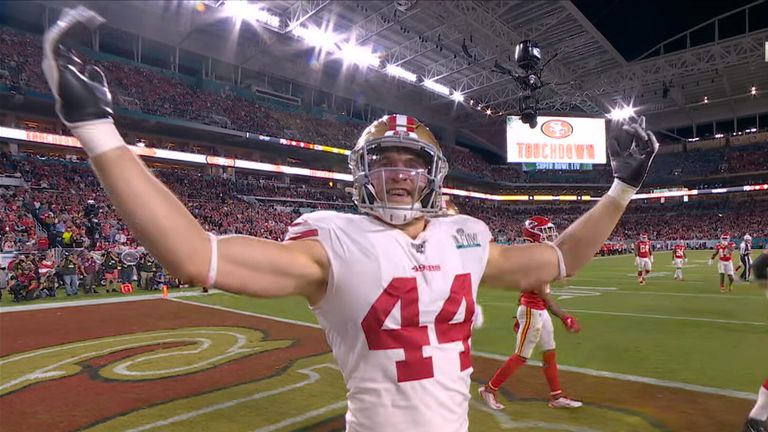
398	316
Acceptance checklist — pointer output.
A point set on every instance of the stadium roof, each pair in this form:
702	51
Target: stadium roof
463	44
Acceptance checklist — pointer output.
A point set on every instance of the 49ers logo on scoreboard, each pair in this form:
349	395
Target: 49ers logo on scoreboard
557	129
557	140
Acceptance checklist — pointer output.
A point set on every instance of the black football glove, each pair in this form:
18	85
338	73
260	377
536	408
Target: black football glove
631	148
80	91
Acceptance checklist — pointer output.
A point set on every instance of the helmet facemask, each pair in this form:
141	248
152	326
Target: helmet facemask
548	233
398	178
539	229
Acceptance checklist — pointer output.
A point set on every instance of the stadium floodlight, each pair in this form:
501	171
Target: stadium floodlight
622	113
320	38
265	17
437	88
242	10
359	55
399	72
753	90
458	97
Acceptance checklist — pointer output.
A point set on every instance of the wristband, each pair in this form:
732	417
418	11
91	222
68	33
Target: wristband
213	265
621	191
560	261
97	136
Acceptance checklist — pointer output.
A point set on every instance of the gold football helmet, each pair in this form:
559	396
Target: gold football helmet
403	133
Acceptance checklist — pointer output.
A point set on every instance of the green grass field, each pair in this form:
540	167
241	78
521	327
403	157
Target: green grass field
679	331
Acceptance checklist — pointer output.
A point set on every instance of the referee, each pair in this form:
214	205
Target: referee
745	249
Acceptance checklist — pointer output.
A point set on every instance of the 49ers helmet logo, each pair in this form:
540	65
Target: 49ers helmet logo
557	129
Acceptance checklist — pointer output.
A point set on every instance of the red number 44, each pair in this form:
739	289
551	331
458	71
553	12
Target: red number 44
411	336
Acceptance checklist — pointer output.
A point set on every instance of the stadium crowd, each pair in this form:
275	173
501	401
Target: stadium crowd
63	208
161	93
60	192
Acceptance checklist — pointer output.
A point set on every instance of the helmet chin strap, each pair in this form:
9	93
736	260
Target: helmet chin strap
397	215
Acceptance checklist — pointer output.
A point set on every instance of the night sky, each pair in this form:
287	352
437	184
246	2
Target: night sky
635	26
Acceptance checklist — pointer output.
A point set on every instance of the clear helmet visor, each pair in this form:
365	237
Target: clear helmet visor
399	186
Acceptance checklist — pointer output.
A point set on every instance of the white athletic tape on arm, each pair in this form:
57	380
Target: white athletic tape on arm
97	136
212	266
562	272
621	191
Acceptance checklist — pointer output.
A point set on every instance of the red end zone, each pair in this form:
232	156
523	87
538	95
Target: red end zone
77	401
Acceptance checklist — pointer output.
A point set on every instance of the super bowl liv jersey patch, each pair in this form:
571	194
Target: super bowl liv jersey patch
398	314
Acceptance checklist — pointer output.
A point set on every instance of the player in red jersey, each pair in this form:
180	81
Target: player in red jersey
724	250
534	326
679	258
643	257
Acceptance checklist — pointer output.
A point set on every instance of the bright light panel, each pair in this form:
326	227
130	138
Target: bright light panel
622	113
399	72
267	18
359	55
438	88
318	37
458	97
242	10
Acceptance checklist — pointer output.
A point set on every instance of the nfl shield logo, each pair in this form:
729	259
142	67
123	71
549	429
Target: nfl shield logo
419	247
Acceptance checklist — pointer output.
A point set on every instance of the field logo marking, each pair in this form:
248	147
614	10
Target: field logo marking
312	377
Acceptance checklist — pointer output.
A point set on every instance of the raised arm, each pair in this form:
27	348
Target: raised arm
529	267
159	220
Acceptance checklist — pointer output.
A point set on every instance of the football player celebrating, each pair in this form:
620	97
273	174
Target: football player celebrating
643	257
679	258
758	417
534	326
724	250
393	288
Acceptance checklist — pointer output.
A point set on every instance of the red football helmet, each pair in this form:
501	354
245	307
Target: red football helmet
643	236
539	229
725	237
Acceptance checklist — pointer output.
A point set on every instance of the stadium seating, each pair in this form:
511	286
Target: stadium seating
60	189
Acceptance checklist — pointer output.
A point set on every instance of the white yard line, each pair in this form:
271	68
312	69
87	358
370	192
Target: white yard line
614	290
713	320
720	296
270	317
98	301
312	377
301	418
506	422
